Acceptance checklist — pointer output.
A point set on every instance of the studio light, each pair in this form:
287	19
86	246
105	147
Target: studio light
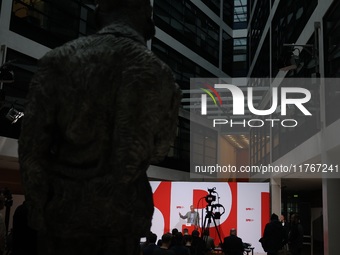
14	115
312	49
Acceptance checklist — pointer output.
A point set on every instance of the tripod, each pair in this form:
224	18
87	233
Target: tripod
207	221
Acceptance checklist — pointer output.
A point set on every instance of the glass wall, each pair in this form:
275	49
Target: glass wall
13	95
257	25
227	53
262	66
332	62
240	57
190	26
228	12
250	4
179	154
203	146
214	5
183	67
289	21
52	22
285	138
240	14
260	145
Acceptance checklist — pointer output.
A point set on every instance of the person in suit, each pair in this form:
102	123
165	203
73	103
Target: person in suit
192	216
233	245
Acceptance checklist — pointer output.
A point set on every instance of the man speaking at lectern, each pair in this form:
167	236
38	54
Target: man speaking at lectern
192	217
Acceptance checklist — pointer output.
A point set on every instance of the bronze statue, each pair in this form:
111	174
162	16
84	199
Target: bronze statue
101	109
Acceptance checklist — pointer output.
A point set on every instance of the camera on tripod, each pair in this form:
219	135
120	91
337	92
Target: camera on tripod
211	213
210	198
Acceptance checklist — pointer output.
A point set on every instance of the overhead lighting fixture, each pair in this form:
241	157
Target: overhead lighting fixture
14	115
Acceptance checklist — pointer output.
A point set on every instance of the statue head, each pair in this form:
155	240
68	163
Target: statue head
135	13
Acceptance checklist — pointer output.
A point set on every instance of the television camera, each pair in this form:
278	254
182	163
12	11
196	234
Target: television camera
212	211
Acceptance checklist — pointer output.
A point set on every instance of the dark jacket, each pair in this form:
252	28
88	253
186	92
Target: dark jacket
100	110
233	245
24	238
197	246
295	240
273	237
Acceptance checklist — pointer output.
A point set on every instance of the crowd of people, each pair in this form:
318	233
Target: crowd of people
183	243
279	237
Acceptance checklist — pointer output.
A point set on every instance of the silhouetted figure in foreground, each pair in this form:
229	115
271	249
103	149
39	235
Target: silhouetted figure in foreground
3	231
232	245
100	110
273	236
178	245
286	227
295	239
209	241
197	244
24	237
151	244
163	249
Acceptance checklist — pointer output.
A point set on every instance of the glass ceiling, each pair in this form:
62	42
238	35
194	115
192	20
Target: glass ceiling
240	10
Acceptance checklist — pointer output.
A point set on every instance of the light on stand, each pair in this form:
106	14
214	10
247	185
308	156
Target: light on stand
293	61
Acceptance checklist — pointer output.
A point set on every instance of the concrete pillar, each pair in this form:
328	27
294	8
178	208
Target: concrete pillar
275	195
331	219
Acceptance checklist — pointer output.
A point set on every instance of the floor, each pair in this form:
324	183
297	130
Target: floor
318	250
